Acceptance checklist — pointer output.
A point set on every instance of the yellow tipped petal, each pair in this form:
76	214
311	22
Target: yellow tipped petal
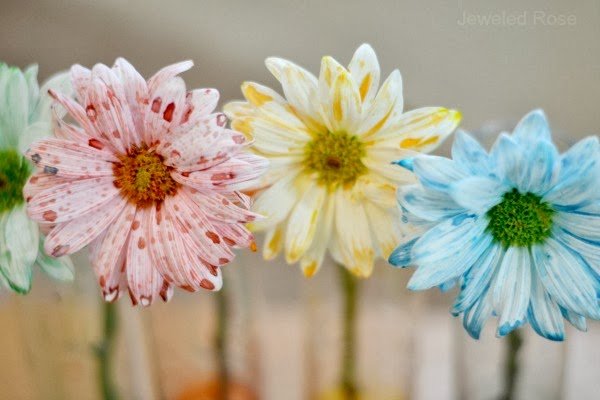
273	242
258	94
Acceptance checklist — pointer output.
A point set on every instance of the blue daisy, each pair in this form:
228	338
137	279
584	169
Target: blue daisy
517	228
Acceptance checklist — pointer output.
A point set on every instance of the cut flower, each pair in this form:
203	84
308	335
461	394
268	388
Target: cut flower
518	228
331	141
150	178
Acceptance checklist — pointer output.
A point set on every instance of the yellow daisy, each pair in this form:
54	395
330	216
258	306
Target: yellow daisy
331	185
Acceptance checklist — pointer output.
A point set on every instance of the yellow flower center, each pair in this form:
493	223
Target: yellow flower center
143	177
336	158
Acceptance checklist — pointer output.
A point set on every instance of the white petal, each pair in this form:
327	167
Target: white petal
353	234
18	248
533	127
544	315
388	99
276	201
302	222
364	68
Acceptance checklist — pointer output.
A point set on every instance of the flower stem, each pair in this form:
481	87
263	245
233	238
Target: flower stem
104	352
511	366
350	300
221	343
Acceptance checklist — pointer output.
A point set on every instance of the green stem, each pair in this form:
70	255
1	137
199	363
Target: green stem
511	366
104	352
221	343
350	300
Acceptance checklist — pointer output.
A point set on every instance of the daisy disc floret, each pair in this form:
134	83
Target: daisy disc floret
24	117
331	141
518	228
149	176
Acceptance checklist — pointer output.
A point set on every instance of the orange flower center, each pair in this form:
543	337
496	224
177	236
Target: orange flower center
143	177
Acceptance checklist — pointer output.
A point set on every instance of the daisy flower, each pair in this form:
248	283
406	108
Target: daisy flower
24	117
331	141
149	177
518	227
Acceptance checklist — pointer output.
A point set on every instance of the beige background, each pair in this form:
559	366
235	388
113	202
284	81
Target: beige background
491	73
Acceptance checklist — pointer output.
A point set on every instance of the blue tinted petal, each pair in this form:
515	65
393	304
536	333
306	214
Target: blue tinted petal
468	154
566	278
429	205
540	168
585	226
406	163
477	281
508	158
476	315
437	172
511	289
543	314
578	321
400	257
533	127
447	250
577	184
477	193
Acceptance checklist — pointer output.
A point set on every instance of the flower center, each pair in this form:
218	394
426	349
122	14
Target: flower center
336	158
143	177
14	171
520	220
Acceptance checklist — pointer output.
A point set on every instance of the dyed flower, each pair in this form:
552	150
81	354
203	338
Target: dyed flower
519	228
24	117
331	142
150	179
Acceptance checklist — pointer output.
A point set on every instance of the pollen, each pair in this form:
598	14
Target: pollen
14	171
143	178
336	158
520	220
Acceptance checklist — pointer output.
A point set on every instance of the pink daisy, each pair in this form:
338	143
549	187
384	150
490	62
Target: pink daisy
149	177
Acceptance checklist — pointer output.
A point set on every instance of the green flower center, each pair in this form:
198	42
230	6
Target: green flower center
336	157
520	220
14	171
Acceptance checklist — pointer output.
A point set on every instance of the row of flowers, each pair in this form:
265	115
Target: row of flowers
152	179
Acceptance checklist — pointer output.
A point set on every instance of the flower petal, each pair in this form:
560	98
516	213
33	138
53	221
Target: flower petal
511	289
447	250
110	250
276	202
70	159
388	99
401	256
533	127
70	200
18	248
475	317
143	278
566	279
478	194
585	226
313	258
421	130
135	90
427	204
342	105
14	106
437	173
364	68
71	236
302	223
167	73
477	280
540	169
352	231
543	314
578	176
468	153
176	263
58	268
165	110
273	241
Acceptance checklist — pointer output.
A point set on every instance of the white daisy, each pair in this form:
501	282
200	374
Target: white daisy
331	141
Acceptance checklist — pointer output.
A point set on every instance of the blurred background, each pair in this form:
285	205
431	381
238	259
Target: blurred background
284	330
